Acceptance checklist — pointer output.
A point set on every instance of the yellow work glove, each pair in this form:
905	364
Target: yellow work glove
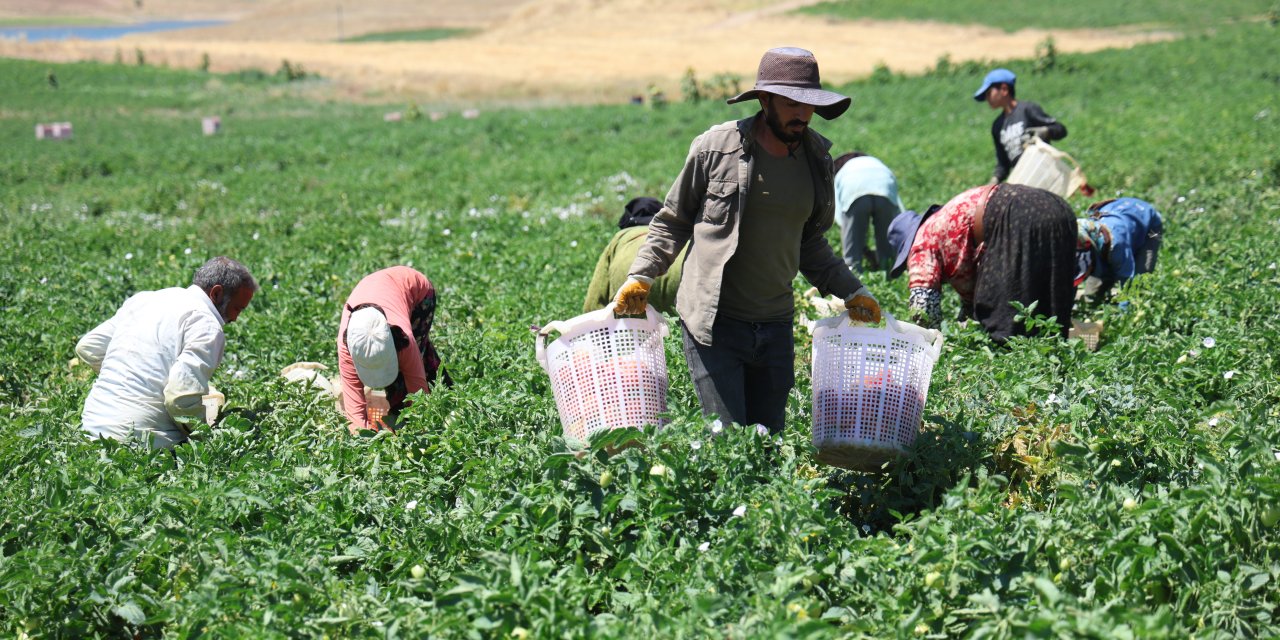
862	306
633	296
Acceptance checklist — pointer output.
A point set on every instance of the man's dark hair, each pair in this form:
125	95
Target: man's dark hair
844	159
222	270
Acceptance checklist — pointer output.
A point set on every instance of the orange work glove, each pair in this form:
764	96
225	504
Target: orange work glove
633	296
862	306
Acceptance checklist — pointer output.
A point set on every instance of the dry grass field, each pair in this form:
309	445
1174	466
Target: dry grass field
531	51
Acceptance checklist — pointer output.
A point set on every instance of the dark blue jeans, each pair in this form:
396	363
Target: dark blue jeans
746	374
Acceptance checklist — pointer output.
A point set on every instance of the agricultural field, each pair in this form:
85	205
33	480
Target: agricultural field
1054	492
1083	14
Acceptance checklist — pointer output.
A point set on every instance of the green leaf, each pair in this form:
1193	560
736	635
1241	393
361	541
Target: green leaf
130	612
1047	590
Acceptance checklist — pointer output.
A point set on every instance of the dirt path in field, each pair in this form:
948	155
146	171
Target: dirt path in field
539	50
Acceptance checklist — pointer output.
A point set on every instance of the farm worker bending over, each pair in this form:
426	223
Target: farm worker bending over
752	203
155	355
384	342
1122	237
614	264
1019	121
866	191
995	244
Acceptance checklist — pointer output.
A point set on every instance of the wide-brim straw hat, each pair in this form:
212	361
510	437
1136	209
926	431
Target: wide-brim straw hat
793	73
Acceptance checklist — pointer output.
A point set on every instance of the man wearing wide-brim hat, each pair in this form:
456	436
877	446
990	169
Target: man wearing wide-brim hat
753	201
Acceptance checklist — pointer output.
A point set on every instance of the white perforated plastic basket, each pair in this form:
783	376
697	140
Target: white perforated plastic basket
606	372
1045	167
869	389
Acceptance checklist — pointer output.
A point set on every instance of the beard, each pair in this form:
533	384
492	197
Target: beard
771	119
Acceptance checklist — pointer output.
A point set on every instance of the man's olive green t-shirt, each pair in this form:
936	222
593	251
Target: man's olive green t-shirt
757	284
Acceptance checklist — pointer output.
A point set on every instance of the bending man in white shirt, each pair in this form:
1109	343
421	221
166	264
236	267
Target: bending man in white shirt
155	355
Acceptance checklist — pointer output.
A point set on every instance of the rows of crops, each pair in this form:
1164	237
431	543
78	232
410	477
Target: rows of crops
1131	492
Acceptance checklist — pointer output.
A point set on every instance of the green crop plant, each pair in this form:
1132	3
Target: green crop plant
1053	491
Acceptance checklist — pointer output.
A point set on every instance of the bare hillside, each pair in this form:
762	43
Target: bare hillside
544	50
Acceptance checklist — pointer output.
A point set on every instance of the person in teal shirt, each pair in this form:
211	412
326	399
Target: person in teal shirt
866	194
615	261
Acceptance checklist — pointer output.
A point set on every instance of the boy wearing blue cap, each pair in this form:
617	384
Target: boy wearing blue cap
1019	121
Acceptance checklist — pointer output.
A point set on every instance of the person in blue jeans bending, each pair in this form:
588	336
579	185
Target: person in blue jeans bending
1122	237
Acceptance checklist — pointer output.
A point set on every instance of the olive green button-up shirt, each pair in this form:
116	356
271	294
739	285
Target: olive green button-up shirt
703	210
614	266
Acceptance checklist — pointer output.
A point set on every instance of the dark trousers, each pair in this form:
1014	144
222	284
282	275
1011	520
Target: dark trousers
878	211
746	373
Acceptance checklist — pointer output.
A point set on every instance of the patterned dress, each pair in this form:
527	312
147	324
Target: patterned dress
944	250
1028	256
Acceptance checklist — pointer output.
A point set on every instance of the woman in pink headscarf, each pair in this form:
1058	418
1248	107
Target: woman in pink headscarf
384	342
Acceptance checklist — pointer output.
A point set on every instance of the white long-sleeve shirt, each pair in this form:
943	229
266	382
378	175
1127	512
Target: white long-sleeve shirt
153	358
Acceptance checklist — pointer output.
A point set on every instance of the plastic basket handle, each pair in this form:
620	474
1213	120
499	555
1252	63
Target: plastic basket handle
598	317
1076	178
1056	153
892	324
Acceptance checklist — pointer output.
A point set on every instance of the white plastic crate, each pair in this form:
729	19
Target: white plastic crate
869	389
1044	167
606	372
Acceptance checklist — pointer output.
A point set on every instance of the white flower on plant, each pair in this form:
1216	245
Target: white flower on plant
704	546
740	511
695	445
658	470
1193	353
1053	399
1213	422
411	505
1182	199
128	256
1272	266
446	232
762	430
1229	374
187	251
44	280
255	235
716	427
1209	343
475	234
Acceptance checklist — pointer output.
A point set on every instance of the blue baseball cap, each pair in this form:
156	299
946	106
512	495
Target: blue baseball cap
997	76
